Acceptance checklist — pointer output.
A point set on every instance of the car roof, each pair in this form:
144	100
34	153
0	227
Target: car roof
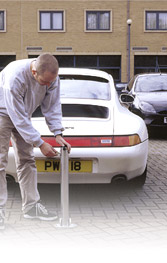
85	72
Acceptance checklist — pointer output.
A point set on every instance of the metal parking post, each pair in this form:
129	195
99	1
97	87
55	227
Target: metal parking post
65	220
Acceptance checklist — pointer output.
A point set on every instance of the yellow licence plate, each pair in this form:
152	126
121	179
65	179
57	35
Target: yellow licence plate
75	166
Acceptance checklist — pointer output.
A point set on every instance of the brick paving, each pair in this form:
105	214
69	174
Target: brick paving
107	217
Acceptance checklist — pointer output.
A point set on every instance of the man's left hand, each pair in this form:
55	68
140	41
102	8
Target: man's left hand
60	140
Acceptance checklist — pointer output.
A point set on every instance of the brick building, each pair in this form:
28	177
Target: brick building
87	33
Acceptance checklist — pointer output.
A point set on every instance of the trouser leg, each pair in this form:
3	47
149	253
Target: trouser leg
5	133
26	171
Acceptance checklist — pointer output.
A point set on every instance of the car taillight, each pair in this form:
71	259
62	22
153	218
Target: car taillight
83	141
123	141
98	141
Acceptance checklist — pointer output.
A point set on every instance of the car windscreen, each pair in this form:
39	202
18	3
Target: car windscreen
84	89
151	83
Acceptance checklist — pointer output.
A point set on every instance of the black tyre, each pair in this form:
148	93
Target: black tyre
139	181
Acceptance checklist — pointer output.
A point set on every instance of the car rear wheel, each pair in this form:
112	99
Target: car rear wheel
139	181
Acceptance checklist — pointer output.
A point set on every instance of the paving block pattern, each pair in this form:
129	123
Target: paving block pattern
106	216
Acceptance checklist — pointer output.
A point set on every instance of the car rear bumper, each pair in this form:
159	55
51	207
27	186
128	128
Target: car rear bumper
107	163
155	120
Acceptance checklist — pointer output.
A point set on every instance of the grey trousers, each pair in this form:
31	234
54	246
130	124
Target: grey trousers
25	165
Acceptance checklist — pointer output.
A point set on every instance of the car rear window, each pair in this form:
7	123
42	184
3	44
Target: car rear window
84	89
151	83
84	110
79	110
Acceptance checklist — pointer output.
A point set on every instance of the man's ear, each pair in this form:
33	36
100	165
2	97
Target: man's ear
33	68
33	72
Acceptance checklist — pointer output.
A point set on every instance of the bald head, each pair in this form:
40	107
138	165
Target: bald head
46	62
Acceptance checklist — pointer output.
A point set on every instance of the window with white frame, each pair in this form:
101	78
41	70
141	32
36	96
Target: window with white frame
2	20
98	20
51	20
156	20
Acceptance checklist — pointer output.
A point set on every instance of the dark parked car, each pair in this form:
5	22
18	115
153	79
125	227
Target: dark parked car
146	96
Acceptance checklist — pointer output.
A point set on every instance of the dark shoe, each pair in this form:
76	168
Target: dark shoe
40	212
2	218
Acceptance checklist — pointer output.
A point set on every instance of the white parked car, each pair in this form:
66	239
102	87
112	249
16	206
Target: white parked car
109	142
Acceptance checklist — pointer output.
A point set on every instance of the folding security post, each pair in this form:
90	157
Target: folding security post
65	220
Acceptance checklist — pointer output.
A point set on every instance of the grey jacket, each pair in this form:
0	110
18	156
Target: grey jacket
21	94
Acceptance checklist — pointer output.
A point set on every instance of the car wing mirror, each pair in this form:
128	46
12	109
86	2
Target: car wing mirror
126	98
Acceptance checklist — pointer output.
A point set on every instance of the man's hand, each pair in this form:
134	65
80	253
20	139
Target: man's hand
48	150
62	142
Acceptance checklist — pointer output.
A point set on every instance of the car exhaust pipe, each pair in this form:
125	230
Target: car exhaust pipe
120	178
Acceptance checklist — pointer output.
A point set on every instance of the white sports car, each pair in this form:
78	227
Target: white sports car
109	143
